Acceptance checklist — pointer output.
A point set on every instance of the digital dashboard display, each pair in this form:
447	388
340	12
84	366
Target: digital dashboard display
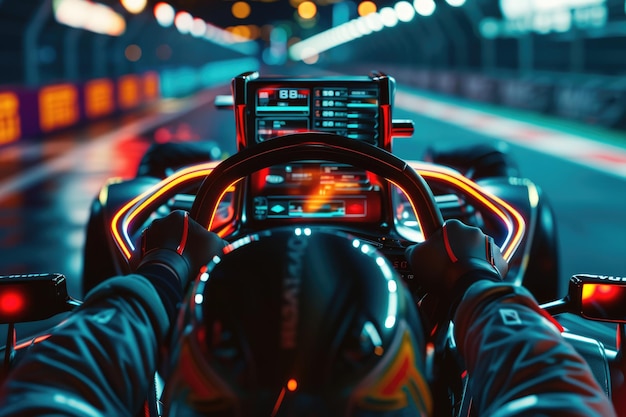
278	99
346	108
314	191
357	108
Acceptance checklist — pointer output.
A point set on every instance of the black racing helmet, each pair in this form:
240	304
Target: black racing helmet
298	322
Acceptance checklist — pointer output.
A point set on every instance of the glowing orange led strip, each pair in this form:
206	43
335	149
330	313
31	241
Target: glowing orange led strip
123	218
515	231
510	217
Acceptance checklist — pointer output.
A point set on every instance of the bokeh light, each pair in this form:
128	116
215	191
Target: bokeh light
198	27
366	7
405	11
374	22
80	13
388	17
307	10
134	6
245	32
183	22
424	7
164	14
240	9
164	52
133	53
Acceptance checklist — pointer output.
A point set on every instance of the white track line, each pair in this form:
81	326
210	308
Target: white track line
584	151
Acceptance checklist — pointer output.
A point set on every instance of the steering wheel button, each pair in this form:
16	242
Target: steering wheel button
356	208
260	208
278	208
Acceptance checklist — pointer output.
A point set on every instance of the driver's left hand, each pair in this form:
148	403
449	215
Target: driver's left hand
180	244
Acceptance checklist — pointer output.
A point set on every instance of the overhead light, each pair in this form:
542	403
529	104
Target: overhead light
134	6
93	17
198	27
164	14
240	9
388	17
405	11
183	22
307	10
424	7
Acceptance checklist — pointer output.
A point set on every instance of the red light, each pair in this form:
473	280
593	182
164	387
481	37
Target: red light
292	384
11	302
599	292
356	208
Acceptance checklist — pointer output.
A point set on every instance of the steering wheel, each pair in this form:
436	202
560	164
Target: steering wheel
320	146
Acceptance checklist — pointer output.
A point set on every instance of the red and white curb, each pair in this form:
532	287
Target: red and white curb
579	149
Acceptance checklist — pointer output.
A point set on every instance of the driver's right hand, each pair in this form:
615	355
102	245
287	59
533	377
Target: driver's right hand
453	258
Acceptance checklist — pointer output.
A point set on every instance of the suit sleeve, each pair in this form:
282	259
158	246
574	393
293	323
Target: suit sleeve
99	362
517	360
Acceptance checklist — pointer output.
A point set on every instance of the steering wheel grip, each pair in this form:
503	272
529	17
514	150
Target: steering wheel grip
320	146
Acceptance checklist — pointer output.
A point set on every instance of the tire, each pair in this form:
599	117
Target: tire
98	263
475	161
542	275
161	159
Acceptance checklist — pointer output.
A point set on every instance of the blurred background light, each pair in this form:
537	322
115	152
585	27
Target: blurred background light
133	53
457	3
426	7
240	9
183	22
405	11
545	16
307	10
198	27
388	17
164	14
134	6
489	28
366	7
164	52
311	57
362	27
93	17
374	22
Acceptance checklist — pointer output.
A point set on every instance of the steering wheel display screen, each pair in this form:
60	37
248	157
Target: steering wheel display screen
348	109
314	191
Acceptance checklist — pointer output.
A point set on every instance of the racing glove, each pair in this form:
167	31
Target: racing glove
173	250
180	244
454	258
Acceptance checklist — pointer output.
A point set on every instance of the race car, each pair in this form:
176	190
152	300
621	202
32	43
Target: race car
479	185
318	152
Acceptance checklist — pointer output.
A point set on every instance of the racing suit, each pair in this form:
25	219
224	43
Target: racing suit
101	361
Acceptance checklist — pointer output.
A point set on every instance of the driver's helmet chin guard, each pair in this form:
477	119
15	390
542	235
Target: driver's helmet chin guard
298	322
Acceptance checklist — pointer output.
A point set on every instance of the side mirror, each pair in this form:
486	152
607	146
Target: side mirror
599	297
33	297
30	297
593	297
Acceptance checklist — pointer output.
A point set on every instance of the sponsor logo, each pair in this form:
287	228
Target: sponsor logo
603	278
510	317
291	290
